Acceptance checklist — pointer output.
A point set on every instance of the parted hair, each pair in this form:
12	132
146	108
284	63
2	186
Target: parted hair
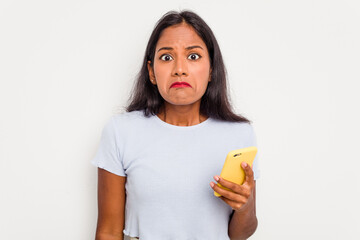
215	102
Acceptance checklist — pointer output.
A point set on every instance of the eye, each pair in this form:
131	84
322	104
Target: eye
165	57
194	58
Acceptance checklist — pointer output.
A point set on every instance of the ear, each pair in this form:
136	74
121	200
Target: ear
151	73
210	75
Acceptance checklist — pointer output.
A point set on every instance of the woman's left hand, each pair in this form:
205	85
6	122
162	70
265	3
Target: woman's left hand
240	195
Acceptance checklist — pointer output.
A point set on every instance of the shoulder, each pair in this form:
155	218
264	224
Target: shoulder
129	116
129	120
232	126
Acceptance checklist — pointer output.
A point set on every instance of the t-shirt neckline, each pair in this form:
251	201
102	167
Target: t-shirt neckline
203	123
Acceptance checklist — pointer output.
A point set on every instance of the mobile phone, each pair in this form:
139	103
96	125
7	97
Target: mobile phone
232	170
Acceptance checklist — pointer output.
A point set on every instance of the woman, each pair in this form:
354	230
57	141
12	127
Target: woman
156	160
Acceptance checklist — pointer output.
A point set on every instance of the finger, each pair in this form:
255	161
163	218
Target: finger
234	205
237	188
228	201
249	174
226	193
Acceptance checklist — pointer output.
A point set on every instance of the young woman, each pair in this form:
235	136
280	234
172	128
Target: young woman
156	161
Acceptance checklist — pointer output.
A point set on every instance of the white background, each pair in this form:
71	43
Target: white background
293	68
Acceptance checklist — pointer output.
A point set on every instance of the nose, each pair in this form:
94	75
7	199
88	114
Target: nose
180	67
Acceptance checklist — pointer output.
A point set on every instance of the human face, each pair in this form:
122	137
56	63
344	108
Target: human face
180	56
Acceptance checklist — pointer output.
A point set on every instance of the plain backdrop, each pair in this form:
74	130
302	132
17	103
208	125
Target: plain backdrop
293	69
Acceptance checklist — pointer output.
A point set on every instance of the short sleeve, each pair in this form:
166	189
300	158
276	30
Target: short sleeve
253	142
108	156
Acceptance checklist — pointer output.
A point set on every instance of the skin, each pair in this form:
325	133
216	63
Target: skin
111	206
241	199
182	105
181	108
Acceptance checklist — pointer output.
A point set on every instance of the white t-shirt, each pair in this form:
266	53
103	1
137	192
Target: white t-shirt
169	169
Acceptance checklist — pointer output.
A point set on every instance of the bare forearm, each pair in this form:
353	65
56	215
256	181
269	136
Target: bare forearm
104	232
106	236
243	223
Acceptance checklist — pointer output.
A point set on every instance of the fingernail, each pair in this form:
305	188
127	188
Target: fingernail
244	164
216	178
212	184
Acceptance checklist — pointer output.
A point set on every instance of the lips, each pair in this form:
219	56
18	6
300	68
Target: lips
180	84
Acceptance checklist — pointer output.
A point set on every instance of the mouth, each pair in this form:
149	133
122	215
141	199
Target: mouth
180	85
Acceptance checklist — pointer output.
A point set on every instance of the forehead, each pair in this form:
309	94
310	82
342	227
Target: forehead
180	35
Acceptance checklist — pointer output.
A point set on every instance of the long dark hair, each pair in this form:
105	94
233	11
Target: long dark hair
215	102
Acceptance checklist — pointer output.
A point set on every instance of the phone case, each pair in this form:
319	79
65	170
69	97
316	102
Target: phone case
232	170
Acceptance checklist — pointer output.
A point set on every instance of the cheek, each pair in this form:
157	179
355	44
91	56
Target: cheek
161	67
162	73
202	75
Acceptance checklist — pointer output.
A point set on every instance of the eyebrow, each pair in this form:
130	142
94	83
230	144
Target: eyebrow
188	48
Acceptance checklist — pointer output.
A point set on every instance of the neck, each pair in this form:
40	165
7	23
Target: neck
181	115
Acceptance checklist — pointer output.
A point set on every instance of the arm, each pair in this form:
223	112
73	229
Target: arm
111	206
241	198
243	223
